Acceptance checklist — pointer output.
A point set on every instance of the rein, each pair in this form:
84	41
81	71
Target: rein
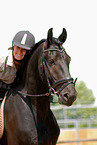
64	82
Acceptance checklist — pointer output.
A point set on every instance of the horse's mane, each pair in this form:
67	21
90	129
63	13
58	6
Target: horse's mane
25	61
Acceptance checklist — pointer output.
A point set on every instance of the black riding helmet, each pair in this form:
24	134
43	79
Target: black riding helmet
24	39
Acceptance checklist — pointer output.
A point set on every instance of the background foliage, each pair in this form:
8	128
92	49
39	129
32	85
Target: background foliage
85	97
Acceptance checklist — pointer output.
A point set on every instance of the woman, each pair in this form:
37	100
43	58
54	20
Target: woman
22	42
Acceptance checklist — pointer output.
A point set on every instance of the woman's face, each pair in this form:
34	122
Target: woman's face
19	52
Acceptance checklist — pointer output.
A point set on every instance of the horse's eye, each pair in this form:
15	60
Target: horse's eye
52	61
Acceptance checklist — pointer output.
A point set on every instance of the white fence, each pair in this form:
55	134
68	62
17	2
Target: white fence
76	124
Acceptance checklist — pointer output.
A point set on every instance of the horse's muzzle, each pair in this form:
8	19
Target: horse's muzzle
68	98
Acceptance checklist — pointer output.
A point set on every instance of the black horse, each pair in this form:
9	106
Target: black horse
43	72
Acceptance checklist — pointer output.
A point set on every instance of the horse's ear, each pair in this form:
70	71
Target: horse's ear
63	36
49	37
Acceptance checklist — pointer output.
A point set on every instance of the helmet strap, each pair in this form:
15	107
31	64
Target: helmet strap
13	55
17	59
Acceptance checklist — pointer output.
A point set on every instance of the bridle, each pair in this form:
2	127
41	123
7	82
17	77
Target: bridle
64	82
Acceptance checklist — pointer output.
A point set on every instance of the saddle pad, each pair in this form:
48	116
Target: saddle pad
2	116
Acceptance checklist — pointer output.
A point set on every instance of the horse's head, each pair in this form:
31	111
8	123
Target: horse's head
55	65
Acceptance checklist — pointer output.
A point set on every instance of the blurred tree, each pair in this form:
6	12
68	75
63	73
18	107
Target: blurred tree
85	95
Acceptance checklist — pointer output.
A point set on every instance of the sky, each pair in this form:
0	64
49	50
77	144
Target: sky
78	17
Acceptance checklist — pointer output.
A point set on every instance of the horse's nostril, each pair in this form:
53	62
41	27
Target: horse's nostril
66	97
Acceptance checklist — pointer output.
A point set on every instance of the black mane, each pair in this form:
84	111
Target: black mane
24	62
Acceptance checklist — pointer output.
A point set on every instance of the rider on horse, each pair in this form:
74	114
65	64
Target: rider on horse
21	44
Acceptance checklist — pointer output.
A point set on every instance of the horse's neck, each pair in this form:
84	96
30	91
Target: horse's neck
34	85
40	105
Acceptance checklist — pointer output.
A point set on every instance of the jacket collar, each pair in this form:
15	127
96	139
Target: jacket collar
10	61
